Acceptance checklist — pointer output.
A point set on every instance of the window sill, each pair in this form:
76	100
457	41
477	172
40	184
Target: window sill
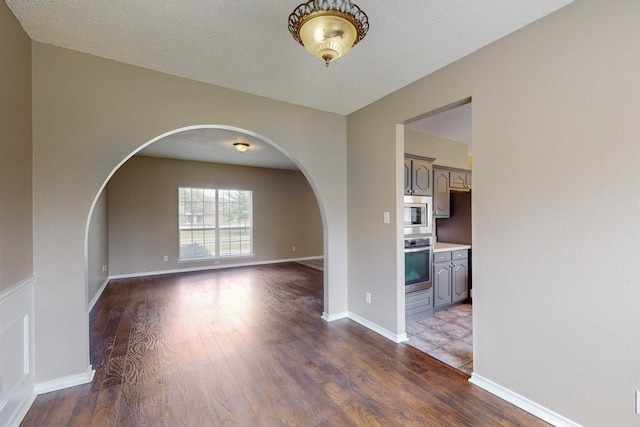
215	260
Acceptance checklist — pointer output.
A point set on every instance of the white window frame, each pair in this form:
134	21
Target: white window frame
245	238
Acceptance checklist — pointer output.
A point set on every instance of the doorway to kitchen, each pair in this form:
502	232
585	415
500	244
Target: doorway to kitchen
443	328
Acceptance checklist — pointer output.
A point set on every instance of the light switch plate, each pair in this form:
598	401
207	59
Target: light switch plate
386	218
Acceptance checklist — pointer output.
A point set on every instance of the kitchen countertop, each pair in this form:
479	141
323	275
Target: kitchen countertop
445	247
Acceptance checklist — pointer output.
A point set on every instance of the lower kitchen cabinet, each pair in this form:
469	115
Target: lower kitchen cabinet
418	305
460	280
450	277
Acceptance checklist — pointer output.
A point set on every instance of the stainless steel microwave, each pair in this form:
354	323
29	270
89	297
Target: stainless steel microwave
418	215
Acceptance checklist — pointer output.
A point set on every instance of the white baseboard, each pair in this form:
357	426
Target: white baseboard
21	412
522	402
95	298
377	329
65	382
397	338
210	267
403	337
337	316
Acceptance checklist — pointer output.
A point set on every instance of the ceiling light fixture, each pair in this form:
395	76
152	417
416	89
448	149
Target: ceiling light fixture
328	28
241	146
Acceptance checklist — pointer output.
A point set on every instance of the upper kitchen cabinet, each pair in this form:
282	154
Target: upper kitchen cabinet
441	204
460	179
446	180
417	176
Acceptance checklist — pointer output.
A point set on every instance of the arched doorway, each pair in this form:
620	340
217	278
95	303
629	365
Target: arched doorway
96	115
193	148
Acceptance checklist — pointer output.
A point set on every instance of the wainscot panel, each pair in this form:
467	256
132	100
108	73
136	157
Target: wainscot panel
16	352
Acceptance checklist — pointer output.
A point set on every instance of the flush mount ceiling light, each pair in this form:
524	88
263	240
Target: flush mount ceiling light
241	146
328	28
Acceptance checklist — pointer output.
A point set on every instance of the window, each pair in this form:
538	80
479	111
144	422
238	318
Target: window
214	223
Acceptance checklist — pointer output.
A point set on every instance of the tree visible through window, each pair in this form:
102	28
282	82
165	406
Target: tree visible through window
214	223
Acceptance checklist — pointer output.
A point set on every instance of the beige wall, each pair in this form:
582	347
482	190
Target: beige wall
143	213
555	213
97	248
89	115
15	152
555	223
446	152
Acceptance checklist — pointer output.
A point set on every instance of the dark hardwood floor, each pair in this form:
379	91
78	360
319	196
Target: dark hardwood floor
247	347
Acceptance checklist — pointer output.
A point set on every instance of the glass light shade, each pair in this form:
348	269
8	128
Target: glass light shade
328	28
241	146
328	37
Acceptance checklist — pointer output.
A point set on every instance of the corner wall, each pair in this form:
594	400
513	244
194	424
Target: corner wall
16	237
555	212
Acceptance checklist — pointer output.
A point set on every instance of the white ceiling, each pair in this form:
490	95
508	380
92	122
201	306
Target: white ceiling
247	46
453	124
215	145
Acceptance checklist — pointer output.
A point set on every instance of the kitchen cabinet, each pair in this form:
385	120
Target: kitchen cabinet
418	305
445	180
450	277
417	176
460	179
441	205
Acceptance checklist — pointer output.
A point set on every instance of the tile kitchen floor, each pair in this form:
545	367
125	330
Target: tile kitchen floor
446	336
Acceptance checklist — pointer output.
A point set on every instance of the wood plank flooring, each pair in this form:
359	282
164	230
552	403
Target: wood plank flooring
247	347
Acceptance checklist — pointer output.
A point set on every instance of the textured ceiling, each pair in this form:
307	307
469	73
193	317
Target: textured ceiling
215	145
453	124
245	45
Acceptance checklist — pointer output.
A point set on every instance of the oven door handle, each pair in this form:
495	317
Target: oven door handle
420	249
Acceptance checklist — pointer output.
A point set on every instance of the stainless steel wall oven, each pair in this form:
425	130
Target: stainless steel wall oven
418	263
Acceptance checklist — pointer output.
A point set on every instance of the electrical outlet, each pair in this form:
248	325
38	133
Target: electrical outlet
166	258
104	268
367	297
386	218
293	249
